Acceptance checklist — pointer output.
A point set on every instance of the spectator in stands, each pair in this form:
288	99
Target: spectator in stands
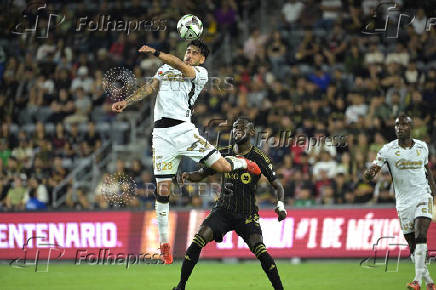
304	197
33	203
15	199
83	80
291	12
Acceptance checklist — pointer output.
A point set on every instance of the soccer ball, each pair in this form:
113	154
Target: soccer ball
189	27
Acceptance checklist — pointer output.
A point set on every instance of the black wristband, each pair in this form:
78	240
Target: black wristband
156	53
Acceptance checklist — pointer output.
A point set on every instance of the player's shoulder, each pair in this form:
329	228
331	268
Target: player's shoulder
225	150
393	145
420	144
261	154
200	69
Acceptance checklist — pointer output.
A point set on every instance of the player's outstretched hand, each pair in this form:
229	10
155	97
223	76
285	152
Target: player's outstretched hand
146	49
281	214
119	106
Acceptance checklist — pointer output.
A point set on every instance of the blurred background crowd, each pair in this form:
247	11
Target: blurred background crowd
303	67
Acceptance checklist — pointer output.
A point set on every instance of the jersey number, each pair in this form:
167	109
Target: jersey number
204	144
164	166
429	208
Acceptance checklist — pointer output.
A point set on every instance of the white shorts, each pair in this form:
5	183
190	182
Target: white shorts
421	208
170	144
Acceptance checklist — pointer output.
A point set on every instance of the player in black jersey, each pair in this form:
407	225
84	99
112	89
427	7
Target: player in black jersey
236	209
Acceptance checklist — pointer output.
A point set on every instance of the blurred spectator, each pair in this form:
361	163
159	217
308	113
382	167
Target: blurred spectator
33	203
15	199
82	80
291	11
303	197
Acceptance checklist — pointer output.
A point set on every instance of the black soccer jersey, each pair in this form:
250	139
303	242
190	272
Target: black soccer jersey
238	188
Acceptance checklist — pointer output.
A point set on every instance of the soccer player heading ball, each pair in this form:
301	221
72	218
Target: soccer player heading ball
178	84
407	161
236	207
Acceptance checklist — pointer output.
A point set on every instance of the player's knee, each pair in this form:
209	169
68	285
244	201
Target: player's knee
206	233
164	189
420	237
258	249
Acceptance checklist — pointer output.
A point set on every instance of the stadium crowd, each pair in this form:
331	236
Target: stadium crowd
310	72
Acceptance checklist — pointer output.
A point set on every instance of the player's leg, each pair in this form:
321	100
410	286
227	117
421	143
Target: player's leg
410	238
204	236
422	217
165	165
421	228
251	232
231	163
200	150
214	227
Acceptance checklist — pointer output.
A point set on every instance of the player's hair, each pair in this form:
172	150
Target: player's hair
406	117
247	122
204	50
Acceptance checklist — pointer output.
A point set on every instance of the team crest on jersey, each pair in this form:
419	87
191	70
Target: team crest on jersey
418	152
397	153
245	178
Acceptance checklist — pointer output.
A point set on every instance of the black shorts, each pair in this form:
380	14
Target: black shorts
221	221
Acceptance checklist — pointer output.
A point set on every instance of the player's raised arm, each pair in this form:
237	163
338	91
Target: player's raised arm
139	95
175	62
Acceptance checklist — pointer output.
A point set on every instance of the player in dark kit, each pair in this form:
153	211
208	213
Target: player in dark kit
236	208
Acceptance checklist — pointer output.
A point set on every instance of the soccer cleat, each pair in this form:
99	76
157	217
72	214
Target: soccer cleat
413	286
252	167
165	251
431	286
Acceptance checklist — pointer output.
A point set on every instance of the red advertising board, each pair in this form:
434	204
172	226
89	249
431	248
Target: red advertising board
306	233
67	231
319	233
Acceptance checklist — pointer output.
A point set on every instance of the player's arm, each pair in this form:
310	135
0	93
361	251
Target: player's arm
280	194
430	179
376	165
140	94
196	176
371	172
186	69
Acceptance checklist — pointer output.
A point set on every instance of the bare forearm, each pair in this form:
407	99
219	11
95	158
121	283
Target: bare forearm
196	176
172	60
143	92
371	172
278	190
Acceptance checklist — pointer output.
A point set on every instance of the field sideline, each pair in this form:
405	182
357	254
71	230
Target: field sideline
207	276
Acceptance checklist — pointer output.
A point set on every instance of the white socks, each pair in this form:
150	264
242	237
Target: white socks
162	213
420	256
426	276
237	163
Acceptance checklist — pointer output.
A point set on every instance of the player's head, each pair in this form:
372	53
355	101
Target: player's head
242	130
196	53
403	126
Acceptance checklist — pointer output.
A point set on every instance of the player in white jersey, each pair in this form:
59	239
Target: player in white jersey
414	186
178	84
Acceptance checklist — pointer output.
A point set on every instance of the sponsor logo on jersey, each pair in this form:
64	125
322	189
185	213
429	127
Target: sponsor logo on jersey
408	164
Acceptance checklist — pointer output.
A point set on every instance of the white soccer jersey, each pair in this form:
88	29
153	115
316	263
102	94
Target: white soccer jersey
406	166
177	94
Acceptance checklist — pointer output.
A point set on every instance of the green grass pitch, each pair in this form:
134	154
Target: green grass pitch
207	275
